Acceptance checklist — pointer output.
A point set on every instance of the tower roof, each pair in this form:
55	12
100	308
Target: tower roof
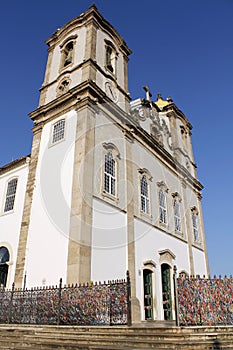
92	14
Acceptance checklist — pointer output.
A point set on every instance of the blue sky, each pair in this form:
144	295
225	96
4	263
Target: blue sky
181	48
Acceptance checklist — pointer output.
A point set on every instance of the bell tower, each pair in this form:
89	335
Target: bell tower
87	51
87	65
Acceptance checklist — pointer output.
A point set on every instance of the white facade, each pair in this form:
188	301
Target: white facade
110	186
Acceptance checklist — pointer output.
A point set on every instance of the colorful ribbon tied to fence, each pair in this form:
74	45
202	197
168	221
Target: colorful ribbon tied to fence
87	304
204	301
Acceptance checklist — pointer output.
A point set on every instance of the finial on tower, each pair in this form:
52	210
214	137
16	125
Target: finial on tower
148	93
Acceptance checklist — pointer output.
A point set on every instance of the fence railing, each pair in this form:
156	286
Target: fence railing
202	301
105	303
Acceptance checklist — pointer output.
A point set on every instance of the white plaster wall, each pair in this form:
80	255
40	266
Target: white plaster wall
148	242
109	242
10	222
107	132
199	262
50	218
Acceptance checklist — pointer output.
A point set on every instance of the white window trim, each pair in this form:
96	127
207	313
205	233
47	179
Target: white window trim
195	226
110	147
51	143
145	173
163	209
3	212
177	199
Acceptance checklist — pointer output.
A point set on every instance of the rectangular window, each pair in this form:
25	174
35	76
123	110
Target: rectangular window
144	195
177	215
10	195
162	207
109	174
195	227
58	131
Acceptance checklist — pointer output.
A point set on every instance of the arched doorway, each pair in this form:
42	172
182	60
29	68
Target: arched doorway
4	258
166	291
148	294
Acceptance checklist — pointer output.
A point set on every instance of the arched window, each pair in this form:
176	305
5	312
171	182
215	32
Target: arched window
176	211
4	258
10	195
144	195
162	206
110	174
110	56
195	224
58	131
177	215
68	54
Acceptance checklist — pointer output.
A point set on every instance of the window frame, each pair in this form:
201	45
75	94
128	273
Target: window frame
109	174
195	225
177	199
110	148
52	142
6	196
145	174
112	67
163	209
63	48
145	201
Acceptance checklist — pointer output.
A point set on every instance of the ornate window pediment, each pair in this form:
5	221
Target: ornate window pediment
166	256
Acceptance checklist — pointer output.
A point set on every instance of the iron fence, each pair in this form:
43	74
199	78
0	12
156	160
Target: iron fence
202	301
105	303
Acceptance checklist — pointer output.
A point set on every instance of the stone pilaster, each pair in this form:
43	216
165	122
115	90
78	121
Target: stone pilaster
188	228
203	233
174	135
127	104
89	70
21	256
136	317
80	235
46	79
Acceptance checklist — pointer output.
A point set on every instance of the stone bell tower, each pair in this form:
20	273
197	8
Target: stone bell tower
87	52
87	65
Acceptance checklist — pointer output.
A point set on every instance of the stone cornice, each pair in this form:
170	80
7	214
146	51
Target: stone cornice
92	14
15	164
82	65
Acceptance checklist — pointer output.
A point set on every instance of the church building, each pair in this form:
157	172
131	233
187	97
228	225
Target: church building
110	184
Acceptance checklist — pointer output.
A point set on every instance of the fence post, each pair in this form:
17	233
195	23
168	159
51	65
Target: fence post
129	315
10	304
175	295
59	302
